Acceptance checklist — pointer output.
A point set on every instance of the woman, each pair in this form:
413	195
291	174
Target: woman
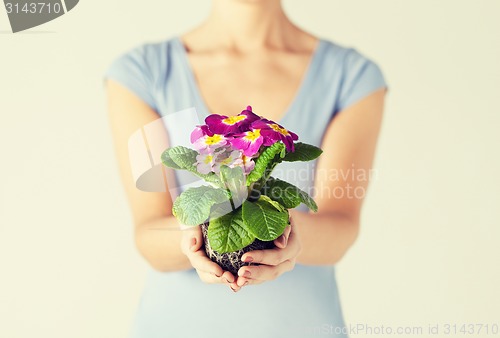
249	53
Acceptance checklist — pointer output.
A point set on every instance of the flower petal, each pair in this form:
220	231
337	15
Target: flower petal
254	147
240	143
287	140
199	132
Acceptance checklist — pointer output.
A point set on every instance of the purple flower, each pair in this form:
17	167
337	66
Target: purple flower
226	125
274	132
248	142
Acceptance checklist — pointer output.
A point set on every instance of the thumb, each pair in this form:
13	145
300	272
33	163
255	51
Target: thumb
196	239
191	239
282	240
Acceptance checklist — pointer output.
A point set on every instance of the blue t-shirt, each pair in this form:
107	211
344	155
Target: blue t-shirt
301	303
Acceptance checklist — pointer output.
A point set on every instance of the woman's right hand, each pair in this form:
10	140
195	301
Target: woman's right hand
208	271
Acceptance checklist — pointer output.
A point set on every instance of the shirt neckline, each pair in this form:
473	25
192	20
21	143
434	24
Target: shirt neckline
307	78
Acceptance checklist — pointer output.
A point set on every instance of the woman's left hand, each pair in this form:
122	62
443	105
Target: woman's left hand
272	262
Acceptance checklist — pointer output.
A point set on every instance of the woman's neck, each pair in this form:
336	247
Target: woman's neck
245	25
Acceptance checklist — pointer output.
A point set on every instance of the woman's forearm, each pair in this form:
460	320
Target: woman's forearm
158	241
325	238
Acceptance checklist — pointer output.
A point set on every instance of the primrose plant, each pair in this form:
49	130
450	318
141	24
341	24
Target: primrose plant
241	202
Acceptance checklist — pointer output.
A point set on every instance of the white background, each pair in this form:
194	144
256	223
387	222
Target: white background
429	250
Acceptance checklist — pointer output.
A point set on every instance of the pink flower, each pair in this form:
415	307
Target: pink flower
226	158
226	125
208	144
248	142
204	163
199	132
274	132
233	159
247	163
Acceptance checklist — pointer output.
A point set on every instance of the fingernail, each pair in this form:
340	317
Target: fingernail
219	276
232	289
246	283
193	243
227	280
248	259
247	273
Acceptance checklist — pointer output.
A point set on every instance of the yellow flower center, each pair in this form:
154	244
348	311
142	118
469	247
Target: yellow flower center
233	119
280	130
253	135
208	159
213	139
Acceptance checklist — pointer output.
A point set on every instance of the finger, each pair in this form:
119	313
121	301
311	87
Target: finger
191	240
209	278
232	281
196	240
282	240
228	277
293	239
201	262
243	281
274	256
234	286
259	273
212	278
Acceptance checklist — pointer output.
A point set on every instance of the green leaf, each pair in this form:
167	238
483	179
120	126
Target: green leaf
303	152
193	206
168	161
184	158
266	162
179	158
275	204
228	234
288	195
263	220
221	209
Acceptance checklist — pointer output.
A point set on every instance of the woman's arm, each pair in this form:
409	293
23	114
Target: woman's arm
151	211
323	238
342	177
157	232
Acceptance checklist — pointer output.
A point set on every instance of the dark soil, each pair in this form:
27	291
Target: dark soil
231	261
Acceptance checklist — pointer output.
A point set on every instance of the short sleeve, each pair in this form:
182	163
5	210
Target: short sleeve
362	77
132	70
